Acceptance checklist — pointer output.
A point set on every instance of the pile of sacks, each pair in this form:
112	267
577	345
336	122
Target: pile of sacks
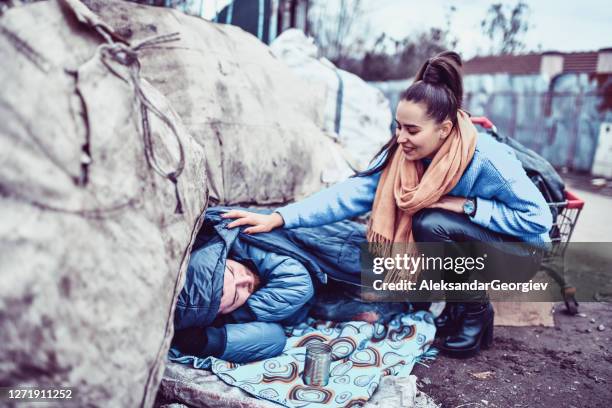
259	124
355	112
119	124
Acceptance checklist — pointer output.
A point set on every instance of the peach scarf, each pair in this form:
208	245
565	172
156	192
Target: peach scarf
405	187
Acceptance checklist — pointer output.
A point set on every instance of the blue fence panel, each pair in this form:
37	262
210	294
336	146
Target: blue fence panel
559	119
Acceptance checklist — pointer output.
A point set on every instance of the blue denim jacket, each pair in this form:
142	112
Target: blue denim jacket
506	199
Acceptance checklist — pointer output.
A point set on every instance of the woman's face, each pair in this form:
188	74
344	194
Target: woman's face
239	282
418	135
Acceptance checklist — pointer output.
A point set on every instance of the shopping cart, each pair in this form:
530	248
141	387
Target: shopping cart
567	213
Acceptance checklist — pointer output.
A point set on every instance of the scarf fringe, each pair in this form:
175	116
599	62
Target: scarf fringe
380	246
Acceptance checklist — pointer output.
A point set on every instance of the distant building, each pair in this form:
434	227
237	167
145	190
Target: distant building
265	19
548	63
556	103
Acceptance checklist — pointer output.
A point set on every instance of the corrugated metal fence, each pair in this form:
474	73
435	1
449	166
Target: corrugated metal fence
560	119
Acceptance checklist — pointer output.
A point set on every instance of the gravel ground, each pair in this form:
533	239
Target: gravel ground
569	365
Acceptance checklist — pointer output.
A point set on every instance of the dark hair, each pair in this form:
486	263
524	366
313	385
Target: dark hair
439	85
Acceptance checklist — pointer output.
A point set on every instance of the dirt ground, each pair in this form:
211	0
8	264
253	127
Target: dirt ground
569	365
586	182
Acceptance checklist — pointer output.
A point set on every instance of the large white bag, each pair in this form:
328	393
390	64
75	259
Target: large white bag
92	247
259	123
92	251
355	111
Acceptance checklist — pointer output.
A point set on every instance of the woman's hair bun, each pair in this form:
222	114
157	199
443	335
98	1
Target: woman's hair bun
444	71
439	84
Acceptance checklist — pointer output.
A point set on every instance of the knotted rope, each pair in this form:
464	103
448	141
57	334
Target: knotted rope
127	55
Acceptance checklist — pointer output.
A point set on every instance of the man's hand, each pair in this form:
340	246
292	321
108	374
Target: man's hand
450	203
259	222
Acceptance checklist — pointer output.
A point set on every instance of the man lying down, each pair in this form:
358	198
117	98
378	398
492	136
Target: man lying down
240	290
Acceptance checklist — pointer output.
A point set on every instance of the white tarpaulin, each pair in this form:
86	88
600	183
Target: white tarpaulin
93	239
95	235
259	123
355	111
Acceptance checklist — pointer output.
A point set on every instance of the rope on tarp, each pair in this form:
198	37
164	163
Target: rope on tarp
127	55
120	51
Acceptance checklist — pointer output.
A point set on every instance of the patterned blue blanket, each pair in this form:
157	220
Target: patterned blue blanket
362	354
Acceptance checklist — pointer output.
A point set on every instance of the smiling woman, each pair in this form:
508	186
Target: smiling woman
416	133
427	112
436	180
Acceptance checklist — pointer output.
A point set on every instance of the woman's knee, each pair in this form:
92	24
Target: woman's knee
431	225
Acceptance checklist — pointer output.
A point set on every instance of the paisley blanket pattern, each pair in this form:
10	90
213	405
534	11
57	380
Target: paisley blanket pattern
362	353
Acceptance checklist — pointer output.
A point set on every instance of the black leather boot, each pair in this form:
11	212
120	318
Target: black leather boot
474	331
447	322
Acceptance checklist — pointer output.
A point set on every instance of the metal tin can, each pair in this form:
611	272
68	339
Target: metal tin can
316	364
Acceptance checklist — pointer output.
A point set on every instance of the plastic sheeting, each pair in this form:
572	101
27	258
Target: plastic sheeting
258	123
92	248
92	251
355	111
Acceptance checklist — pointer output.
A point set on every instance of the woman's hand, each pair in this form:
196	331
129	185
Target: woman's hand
450	203
259	222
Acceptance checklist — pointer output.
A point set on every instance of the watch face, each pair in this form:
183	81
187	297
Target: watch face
468	207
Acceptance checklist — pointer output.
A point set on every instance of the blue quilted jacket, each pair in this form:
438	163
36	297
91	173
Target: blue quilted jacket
506	199
290	264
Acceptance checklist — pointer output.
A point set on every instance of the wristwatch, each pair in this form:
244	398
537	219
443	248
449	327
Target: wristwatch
469	207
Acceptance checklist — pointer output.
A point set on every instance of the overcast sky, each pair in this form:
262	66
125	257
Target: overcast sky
562	25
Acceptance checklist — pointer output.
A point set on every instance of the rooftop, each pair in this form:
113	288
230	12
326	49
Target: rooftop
528	64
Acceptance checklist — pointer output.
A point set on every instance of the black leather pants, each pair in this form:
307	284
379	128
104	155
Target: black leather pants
473	240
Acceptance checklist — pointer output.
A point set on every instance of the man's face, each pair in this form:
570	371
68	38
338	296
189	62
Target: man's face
239	282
